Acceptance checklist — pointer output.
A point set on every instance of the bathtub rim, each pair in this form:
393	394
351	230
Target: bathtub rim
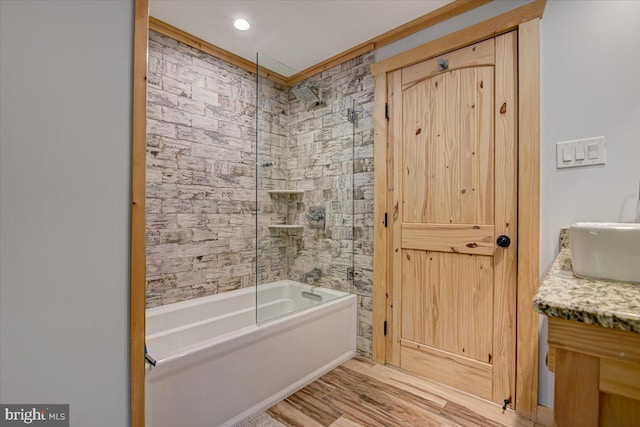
161	309
216	346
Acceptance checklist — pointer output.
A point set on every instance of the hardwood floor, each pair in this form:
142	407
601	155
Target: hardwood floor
362	393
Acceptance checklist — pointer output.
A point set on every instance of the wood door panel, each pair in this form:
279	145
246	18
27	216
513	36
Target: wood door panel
419	297
475	334
449	210
465	374
467	122
434	166
454	148
485	146
477	54
447	302
426	298
448	149
416	151
458	238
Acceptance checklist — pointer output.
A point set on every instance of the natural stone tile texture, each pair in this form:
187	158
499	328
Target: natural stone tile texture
332	160
597	302
201	179
200	173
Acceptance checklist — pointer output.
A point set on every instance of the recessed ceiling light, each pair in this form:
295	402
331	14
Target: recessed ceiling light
241	24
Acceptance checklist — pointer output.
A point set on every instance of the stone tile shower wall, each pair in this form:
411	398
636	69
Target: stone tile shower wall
359	83
272	170
200	230
322	145
319	162
201	178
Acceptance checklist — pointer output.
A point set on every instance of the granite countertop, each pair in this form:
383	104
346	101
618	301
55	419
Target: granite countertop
597	302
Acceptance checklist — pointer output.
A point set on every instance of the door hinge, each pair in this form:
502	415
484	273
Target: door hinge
386	220
386	110
385	328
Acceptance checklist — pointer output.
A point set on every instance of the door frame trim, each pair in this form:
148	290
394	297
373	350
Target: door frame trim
484	30
138	197
528	216
528	265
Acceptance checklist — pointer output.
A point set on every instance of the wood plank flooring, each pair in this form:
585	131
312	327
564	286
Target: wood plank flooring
361	393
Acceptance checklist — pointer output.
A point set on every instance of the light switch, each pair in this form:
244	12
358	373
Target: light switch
581	152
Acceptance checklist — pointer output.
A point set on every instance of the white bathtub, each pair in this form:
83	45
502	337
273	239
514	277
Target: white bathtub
216	366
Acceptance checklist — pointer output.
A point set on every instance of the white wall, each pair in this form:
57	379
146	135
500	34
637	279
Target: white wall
459	22
590	87
65	143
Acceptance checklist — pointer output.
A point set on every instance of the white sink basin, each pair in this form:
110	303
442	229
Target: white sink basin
605	250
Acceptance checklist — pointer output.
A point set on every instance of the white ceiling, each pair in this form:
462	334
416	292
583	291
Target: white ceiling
298	33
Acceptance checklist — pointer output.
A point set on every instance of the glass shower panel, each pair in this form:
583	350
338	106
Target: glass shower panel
304	193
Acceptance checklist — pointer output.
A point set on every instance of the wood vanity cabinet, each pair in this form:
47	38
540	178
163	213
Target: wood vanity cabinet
597	375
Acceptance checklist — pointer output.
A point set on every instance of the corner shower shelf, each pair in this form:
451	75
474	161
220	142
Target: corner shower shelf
285	227
290	227
285	191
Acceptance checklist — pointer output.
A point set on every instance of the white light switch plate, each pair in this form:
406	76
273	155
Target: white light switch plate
581	152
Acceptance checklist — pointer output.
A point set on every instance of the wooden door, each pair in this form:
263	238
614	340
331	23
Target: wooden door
453	170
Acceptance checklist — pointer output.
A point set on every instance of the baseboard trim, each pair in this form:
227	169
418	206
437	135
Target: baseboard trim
544	416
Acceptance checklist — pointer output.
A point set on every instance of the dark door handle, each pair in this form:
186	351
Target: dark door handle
503	241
